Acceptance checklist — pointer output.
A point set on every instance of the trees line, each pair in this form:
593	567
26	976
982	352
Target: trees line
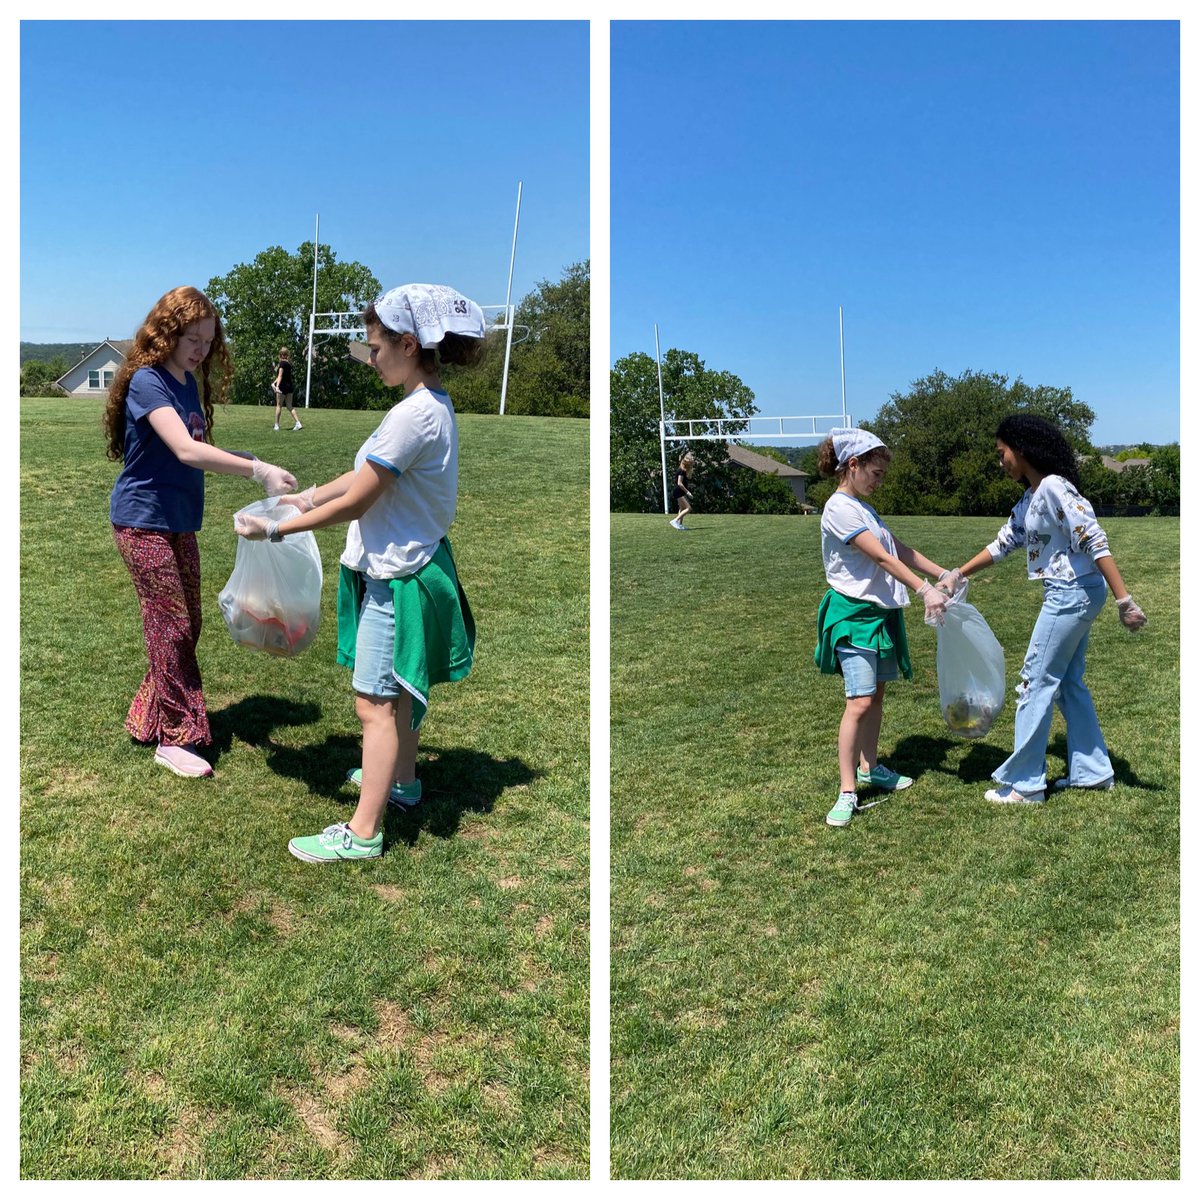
265	304
940	432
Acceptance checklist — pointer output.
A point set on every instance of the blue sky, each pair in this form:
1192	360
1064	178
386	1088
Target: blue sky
994	196
185	148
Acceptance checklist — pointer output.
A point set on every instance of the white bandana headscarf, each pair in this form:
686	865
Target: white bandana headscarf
429	311
852	443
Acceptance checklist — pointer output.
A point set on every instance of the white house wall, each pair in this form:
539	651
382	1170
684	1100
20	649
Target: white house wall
75	381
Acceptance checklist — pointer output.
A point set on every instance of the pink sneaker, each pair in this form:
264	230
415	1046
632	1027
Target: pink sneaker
182	761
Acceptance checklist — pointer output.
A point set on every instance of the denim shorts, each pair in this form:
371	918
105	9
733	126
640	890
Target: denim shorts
863	669
374	651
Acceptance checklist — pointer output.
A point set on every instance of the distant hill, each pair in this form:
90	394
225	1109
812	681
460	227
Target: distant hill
45	351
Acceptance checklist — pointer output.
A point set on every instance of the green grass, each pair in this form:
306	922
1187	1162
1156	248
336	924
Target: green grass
946	988
195	1002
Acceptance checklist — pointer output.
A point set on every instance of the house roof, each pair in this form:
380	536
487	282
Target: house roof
1116	464
121	345
761	463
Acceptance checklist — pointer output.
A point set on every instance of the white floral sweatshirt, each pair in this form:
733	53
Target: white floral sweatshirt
1058	528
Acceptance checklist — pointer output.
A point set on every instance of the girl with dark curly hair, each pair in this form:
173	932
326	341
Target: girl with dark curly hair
158	424
1067	552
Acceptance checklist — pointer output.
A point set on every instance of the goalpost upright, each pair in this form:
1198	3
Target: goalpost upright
349	324
731	429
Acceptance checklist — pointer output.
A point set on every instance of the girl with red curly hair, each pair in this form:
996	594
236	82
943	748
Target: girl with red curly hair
158	423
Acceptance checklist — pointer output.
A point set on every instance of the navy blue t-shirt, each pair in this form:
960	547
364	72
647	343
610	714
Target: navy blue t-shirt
154	489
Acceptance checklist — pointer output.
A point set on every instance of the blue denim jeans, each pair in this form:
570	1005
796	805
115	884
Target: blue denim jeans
1053	674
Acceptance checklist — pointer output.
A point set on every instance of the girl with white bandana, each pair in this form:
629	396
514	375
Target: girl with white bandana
1067	552
860	624
404	623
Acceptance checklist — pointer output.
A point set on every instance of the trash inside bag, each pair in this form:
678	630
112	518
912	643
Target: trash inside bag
272	601
970	667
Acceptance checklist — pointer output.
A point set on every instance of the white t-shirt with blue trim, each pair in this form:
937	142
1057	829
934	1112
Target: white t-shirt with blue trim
847	569
417	443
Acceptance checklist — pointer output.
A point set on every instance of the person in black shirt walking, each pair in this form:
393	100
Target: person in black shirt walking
282	387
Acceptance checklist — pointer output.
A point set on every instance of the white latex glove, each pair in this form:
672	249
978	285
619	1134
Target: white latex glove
935	604
304	501
950	581
1131	616
252	528
275	480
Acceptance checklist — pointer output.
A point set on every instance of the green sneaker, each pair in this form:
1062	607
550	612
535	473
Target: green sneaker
402	795
335	843
843	810
883	777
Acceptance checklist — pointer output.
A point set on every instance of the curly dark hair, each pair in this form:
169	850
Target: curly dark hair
1041	443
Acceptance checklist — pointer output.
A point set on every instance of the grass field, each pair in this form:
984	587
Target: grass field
195	1002
946	988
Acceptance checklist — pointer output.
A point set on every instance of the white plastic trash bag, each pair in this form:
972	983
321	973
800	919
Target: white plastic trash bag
970	667
272	601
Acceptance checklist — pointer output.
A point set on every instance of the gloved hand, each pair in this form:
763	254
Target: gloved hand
935	604
252	528
950	581
304	501
275	480
1131	616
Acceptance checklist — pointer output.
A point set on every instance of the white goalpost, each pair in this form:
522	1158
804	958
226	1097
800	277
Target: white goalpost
732	429
499	317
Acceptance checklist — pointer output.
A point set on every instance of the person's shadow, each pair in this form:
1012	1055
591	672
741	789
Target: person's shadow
917	754
454	781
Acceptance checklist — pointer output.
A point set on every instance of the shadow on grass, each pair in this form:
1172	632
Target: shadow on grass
254	719
917	755
454	782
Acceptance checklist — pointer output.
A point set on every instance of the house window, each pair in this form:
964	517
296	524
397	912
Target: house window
108	378
94	380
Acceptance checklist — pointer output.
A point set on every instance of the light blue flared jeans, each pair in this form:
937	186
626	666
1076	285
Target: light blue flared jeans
1053	674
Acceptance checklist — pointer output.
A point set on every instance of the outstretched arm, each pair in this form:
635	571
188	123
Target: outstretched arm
872	547
916	561
365	487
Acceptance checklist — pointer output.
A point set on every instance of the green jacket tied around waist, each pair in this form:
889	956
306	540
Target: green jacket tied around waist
861	623
435	631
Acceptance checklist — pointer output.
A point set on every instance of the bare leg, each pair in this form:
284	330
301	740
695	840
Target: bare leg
407	741
869	730
850	739
379	761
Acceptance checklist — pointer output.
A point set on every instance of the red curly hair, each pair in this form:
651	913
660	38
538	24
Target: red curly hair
153	344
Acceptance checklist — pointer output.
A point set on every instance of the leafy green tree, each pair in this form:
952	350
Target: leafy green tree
37	378
549	373
691	391
942	436
1164	478
265	304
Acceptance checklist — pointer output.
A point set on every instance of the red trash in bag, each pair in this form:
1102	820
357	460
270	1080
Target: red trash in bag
272	601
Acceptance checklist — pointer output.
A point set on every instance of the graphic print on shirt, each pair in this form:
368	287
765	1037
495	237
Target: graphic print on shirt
195	425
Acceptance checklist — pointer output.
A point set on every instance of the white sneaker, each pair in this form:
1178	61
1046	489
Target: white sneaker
275	428
297	426
1004	794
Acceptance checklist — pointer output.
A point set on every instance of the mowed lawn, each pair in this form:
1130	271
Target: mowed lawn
946	988
195	1002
